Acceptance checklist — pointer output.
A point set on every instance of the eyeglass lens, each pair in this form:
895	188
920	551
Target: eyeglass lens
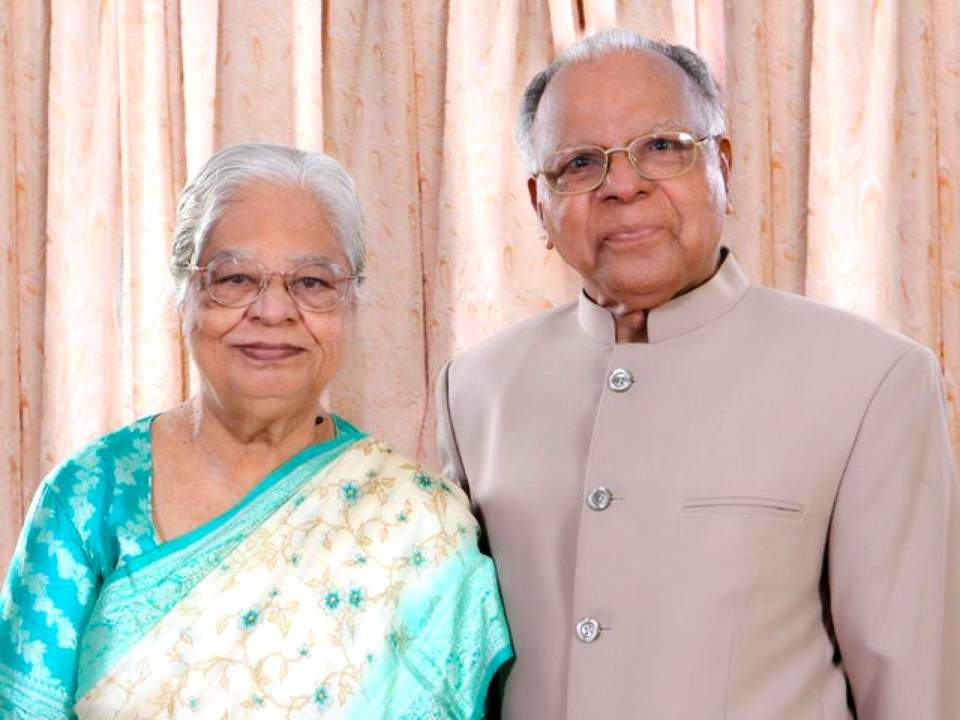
236	283
655	157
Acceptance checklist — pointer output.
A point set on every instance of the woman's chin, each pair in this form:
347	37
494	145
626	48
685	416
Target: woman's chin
280	392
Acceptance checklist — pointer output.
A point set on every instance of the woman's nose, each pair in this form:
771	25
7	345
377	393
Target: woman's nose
274	304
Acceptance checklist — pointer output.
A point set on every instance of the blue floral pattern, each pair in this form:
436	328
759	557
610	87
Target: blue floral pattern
89	517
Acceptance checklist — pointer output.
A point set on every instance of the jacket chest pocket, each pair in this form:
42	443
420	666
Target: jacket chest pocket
743	542
743	505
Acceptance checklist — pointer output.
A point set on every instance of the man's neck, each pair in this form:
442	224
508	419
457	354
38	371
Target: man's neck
632	327
631	324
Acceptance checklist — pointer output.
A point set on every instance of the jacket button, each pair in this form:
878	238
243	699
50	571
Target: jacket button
620	380
599	498
588	630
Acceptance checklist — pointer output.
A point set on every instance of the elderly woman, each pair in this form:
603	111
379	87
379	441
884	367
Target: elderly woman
249	551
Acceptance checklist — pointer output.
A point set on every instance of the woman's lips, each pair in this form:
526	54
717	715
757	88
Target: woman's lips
268	351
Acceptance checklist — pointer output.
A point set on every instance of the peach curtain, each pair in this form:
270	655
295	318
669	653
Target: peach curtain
845	119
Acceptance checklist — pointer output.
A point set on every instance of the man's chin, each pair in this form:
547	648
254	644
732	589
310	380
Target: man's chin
641	289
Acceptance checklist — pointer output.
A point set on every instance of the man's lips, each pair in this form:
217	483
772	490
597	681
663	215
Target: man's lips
632	234
268	351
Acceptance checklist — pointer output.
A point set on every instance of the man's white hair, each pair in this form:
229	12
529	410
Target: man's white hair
202	201
608	42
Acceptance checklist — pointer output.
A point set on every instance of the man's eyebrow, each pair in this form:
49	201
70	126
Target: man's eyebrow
668	125
659	127
230	254
314	258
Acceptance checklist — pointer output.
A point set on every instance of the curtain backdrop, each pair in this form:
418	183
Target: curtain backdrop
845	118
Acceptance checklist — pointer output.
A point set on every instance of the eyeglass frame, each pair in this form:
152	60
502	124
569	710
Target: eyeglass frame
625	149
267	277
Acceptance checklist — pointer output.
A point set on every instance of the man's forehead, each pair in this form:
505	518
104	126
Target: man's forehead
623	92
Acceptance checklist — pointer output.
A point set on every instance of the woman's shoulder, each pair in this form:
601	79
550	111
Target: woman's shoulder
106	481
396	508
410	474
373	469
117	455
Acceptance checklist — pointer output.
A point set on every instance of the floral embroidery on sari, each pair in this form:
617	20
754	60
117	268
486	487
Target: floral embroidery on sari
348	584
362	596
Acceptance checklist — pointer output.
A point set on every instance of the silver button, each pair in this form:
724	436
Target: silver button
620	380
599	498
588	630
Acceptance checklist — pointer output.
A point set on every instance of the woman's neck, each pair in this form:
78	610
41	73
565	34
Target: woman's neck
239	441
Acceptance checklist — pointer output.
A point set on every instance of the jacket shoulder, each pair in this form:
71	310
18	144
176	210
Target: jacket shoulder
817	324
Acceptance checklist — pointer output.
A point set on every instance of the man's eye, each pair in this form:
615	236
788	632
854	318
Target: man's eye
312	282
237	279
662	145
581	163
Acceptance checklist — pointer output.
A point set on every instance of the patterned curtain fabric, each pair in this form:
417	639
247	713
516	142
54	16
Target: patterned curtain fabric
845	119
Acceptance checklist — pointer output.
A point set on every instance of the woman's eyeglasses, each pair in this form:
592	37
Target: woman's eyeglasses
236	282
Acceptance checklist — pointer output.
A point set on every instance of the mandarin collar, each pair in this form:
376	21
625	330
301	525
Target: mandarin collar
692	310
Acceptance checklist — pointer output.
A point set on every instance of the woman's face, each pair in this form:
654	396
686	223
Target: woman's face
270	352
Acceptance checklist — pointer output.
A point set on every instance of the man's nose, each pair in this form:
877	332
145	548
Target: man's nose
623	181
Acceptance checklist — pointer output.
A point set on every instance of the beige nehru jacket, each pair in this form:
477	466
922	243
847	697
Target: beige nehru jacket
784	517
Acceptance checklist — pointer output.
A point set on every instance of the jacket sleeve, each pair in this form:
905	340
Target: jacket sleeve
894	552
451	464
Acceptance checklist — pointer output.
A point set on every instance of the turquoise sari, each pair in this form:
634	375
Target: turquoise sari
347	584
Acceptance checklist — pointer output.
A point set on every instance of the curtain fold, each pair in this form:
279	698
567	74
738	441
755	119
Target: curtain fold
24	68
490	268
82	358
372	128
768	93
946	44
151	174
845	120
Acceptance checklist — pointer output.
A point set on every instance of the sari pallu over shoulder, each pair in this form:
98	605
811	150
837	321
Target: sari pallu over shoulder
144	588
350	587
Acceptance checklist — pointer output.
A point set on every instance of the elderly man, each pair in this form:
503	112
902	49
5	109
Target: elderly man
705	499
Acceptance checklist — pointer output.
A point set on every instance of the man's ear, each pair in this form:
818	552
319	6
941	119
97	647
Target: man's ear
725	154
538	208
534	198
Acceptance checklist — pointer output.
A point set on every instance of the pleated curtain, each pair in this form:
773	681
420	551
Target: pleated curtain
845	120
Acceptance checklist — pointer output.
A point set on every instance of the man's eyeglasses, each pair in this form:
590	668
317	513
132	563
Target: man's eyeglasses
657	156
236	282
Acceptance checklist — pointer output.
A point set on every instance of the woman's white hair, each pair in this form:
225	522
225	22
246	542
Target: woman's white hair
203	199
607	42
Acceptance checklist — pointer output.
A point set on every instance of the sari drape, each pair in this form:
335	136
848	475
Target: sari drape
348	584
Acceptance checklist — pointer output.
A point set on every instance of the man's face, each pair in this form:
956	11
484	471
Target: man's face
636	243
